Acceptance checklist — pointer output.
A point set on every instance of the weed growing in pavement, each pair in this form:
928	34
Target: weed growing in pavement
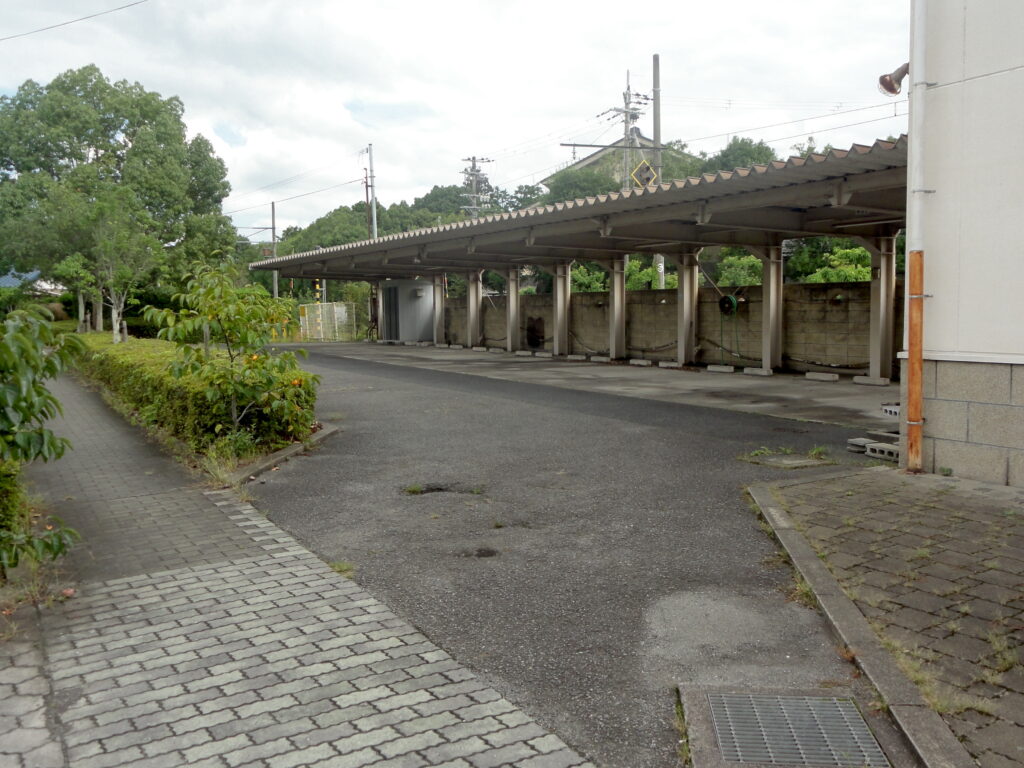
1004	655
946	471
343	568
921	553
683	747
818	452
940	697
413	490
802	592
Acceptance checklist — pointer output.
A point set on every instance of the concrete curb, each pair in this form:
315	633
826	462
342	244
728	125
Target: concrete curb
924	730
267	463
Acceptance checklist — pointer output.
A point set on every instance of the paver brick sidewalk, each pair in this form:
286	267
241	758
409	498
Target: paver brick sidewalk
203	635
937	566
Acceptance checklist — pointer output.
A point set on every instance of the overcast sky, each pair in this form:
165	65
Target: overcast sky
290	91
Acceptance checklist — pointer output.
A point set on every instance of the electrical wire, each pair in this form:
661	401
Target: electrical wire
801	120
295	197
73	21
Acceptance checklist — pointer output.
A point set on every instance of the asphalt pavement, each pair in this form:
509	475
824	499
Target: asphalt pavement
582	552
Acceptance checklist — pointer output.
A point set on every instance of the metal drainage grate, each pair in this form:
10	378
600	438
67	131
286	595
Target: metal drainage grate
793	730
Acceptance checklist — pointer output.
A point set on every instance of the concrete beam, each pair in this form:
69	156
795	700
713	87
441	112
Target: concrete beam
617	309
474	303
512	342
563	290
438	287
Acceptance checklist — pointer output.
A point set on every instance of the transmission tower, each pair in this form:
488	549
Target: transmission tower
476	182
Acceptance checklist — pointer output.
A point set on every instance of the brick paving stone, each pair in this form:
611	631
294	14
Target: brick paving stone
933	563
203	635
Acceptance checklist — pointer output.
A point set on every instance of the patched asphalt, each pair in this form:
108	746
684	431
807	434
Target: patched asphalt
582	552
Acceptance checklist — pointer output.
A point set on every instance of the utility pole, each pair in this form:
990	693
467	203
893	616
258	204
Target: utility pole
373	196
273	243
659	258
474	175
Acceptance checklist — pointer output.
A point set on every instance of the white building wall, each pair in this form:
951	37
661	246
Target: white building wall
974	160
972	230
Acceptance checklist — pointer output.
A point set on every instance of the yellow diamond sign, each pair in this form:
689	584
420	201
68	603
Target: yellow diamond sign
644	174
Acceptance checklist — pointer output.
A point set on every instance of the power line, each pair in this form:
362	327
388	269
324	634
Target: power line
836	127
273	184
295	197
801	120
73	21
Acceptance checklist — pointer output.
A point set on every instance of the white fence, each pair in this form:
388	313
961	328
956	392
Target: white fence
328	322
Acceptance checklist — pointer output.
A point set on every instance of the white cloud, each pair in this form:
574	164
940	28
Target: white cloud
281	88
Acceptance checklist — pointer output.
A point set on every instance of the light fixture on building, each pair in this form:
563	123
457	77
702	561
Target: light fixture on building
891	82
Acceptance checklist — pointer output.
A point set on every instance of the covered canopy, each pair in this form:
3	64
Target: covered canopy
859	192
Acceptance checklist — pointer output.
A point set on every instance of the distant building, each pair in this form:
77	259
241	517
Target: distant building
31	281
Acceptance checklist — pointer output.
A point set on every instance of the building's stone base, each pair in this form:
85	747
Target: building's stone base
974	421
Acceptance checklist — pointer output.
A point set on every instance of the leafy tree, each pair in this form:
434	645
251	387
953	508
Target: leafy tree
82	143
738	267
240	371
845	265
573	183
643	276
31	352
74	273
740	152
589	278
524	196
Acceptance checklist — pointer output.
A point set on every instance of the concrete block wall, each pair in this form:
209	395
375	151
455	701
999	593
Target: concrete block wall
825	326
973	421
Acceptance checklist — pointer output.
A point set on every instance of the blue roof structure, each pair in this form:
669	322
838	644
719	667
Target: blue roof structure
14	280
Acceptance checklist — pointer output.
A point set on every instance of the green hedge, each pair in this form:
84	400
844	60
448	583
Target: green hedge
137	371
11	496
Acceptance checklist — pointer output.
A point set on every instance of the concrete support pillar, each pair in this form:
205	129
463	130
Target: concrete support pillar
883	297
563	291
687	294
474	302
323	290
275	276
512	342
771	312
617	309
380	311
438	287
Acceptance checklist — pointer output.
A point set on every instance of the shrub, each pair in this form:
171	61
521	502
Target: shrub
235	364
139	373
12	497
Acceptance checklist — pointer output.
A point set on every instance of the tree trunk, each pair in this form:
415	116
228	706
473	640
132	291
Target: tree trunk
115	320
97	315
82	322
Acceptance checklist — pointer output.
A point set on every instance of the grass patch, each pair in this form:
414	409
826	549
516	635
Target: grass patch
819	452
802	593
414	490
683	745
343	568
1004	655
